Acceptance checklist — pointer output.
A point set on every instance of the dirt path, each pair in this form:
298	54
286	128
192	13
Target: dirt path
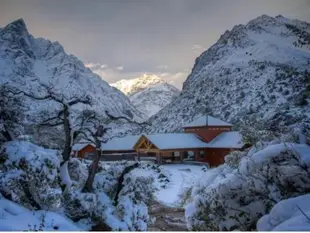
167	218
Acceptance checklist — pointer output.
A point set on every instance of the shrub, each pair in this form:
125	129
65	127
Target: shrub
234	199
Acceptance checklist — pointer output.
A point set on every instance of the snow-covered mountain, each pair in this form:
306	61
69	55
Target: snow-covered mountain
153	98
132	86
258	70
25	59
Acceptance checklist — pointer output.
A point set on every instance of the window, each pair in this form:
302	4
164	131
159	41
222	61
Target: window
201	154
89	155
190	155
176	154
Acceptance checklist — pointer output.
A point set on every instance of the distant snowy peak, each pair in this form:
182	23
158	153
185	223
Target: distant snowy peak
132	86
152	99
260	70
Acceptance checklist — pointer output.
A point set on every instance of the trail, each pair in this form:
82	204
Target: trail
167	218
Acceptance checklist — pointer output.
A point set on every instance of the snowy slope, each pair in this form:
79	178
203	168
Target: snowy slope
152	99
287	215
258	70
132	86
24	59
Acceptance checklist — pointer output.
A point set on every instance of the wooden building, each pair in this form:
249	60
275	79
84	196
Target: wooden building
206	139
83	150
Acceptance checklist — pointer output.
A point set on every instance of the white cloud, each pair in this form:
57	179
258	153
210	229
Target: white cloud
198	49
92	65
120	68
175	79
104	66
162	67
96	66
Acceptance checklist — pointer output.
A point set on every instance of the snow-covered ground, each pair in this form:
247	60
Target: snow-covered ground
288	215
14	217
182	177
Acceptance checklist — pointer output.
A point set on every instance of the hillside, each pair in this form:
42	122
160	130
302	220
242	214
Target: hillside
25	60
152	99
259	70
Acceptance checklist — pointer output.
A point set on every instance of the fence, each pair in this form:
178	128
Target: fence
118	157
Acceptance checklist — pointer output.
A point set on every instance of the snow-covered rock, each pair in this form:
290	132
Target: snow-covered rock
261	69
288	215
132	86
154	98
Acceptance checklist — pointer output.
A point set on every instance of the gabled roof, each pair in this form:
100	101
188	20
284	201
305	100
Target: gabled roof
81	145
120	144
230	139
176	141
204	120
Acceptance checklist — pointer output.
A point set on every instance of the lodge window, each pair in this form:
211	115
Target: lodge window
201	154
190	154
176	154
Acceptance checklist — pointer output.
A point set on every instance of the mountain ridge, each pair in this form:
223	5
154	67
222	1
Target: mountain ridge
132	86
25	60
154	98
258	70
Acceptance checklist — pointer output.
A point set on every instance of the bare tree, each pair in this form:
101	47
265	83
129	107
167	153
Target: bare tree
60	118
89	121
10	113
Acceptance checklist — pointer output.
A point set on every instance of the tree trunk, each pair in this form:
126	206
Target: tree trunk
64	173
120	184
68	139
93	168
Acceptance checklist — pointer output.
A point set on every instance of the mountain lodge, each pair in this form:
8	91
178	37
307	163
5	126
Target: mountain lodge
206	139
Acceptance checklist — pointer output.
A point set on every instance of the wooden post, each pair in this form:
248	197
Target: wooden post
181	156
157	157
197	154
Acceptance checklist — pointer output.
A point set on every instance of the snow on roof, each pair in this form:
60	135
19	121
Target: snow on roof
124	143
80	146
231	139
202	121
176	140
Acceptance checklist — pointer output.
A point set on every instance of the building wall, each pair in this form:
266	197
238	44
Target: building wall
118	152
86	149
207	133
214	156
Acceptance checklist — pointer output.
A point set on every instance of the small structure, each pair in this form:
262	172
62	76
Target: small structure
120	148
206	139
83	150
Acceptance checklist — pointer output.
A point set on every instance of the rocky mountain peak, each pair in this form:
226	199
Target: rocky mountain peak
132	86
18	27
27	61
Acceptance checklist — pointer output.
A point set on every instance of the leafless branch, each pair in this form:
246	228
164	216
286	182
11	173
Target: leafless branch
303	213
115	118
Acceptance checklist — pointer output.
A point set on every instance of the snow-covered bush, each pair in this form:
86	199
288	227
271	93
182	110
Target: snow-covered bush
106	180
133	200
292	214
115	204
78	172
232	199
233	159
29	175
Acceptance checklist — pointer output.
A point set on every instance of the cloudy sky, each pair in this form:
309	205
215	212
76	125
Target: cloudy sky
122	39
